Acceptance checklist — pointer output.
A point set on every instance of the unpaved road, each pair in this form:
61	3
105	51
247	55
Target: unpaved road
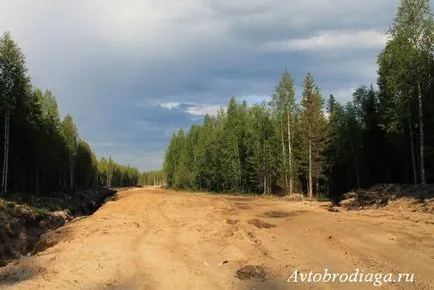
155	239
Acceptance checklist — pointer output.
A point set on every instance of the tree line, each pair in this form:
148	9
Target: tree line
43	152
317	145
153	177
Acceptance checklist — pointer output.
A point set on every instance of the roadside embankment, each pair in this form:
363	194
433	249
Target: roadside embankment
414	198
24	218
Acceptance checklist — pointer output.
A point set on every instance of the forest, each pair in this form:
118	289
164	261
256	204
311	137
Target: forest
153	178
312	143
41	151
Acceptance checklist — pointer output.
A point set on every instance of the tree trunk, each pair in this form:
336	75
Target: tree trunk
357	173
309	182
96	182
265	185
413	160
263	164
196	167
330	182
356	164
6	153
42	181
284	158
71	171
421	137
290	155
37	182
240	182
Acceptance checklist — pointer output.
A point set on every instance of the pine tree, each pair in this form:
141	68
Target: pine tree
85	166
14	84
181	174
231	146
70	135
42	149
313	122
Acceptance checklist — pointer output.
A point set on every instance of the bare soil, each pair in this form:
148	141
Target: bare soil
24	217
157	239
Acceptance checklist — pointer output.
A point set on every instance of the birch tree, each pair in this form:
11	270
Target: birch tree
283	102
405	66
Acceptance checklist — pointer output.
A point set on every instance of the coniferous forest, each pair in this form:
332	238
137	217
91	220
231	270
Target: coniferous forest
153	178
42	152
310	143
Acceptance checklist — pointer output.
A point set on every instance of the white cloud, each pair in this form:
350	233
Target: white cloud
169	105
199	110
337	39
202	110
192	109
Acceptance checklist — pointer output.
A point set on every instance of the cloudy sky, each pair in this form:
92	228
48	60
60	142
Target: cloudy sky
133	72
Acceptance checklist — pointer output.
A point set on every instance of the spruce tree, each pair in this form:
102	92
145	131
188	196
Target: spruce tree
314	125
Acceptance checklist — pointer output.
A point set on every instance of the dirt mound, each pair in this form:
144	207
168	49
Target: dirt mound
232	221
24	218
260	224
412	197
277	214
22	225
251	272
410	204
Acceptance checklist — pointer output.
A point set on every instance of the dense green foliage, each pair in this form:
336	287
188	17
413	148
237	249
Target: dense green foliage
155	177
383	135
43	152
115	175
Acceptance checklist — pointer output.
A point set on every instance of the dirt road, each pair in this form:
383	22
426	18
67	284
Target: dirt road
155	239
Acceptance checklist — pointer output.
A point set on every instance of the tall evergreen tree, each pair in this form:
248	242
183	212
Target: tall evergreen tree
39	150
313	122
14	85
70	135
331	151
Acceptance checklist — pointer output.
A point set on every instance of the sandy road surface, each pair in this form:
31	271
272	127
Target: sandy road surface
156	239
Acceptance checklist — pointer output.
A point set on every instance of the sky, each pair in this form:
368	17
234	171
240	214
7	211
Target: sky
133	72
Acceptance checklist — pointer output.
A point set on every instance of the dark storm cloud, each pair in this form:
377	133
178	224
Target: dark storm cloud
133	73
